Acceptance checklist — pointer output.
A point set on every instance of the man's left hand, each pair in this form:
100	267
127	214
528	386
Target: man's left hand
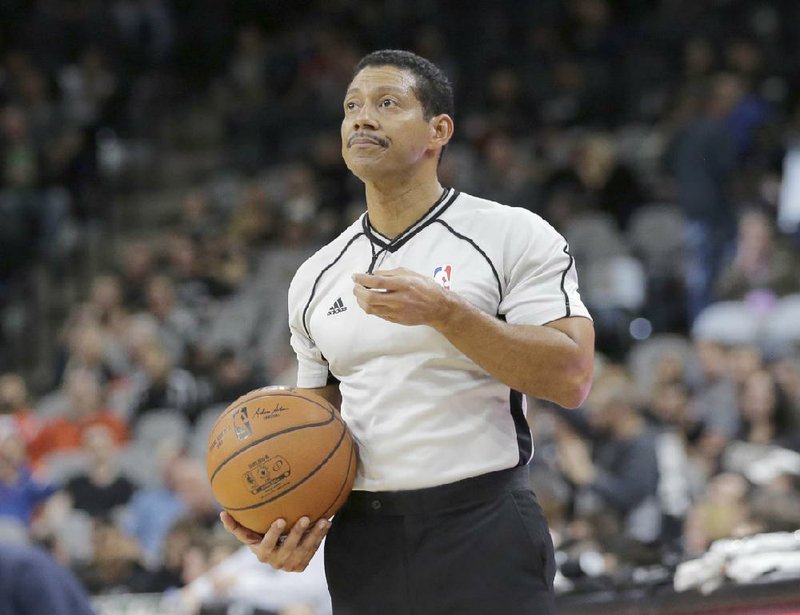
403	297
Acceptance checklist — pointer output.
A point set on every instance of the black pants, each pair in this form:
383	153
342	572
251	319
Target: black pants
476	547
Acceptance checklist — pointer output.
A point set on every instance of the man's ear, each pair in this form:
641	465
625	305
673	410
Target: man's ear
442	128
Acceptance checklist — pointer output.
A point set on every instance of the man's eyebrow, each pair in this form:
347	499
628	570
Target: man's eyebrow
381	88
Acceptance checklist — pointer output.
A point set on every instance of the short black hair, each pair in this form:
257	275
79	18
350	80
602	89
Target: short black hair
433	88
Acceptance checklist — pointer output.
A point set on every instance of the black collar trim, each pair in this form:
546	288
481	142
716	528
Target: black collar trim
449	195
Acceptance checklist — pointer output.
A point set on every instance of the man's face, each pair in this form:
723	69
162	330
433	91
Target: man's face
384	130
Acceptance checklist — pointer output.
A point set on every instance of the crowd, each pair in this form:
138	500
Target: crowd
658	136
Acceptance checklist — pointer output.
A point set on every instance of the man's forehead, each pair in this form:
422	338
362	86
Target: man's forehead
385	77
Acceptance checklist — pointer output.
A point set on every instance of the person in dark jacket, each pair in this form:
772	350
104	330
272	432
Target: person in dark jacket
33	583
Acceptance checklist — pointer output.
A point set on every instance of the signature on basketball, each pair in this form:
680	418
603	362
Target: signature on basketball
266	413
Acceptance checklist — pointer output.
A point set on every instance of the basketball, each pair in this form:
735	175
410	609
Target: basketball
280	453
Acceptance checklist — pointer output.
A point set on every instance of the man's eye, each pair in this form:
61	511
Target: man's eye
350	106
387	102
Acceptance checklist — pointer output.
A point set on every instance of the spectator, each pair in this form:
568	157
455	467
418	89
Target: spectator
233	376
668	410
712	406
33	583
14	403
167	573
159	384
617	479
136	266
21	495
702	159
115	559
178	327
765	416
85	408
606	184
101	490
153	510
763	268
242	581
718	514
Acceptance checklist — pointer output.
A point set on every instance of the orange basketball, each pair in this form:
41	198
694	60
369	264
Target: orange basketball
280	453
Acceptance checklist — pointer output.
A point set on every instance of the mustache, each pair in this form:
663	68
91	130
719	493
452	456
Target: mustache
365	135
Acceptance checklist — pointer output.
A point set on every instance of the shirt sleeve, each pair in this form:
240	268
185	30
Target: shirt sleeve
540	274
312	368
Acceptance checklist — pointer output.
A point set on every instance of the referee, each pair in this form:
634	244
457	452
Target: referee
426	322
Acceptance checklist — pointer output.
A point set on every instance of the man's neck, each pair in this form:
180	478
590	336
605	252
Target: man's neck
395	206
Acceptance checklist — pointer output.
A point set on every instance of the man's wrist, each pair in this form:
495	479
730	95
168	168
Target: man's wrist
451	313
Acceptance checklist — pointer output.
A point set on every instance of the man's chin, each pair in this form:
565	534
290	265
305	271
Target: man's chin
365	167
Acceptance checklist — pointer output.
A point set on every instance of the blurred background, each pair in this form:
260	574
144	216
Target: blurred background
165	166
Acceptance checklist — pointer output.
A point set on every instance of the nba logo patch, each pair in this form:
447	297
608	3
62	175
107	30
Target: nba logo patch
241	424
442	275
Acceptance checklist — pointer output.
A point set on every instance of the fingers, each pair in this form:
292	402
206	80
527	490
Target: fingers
293	551
380	281
243	534
306	547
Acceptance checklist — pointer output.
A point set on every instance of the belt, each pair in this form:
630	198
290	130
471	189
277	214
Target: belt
441	497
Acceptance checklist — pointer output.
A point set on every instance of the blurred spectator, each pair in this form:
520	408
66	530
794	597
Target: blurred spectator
776	504
137	264
763	268
506	173
617	479
702	159
115	559
720	513
178	327
253	221
606	183
167	573
668	410
227	265
85	409
712	406
240	580
786	370
21	495
102	490
233	376
106	298
158	384
153	510
186	269
765	416
197	220
86	344
33	583
14	404
86	87
744	360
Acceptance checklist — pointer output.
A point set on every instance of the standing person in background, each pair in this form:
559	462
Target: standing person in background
702	158
426	321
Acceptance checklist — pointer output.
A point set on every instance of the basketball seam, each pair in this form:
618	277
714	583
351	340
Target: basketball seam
280	393
295	486
350	465
264	439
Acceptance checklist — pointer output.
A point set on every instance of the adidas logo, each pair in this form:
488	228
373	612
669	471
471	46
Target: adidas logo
337	307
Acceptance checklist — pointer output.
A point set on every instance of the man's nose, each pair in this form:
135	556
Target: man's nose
365	118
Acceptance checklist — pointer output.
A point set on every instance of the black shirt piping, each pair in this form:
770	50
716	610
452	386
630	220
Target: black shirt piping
564	277
321	273
480	251
430	216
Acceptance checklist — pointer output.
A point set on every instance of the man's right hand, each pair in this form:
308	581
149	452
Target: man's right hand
291	552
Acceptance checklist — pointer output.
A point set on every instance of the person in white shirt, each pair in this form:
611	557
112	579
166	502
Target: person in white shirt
242	581
427	321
